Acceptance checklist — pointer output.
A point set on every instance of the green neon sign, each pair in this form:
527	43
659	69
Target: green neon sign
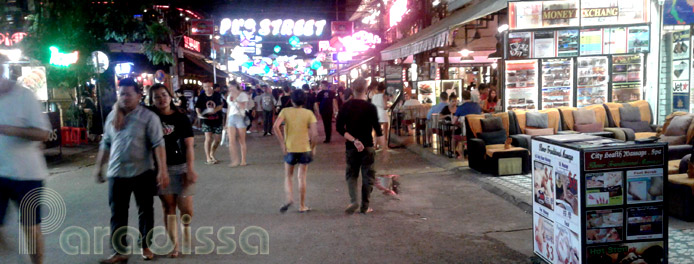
62	59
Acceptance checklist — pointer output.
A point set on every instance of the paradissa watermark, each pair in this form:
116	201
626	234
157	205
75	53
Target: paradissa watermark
76	240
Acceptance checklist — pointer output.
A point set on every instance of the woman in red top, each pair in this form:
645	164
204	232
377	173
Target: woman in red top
489	105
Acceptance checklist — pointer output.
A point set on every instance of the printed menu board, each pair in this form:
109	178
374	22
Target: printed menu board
543	46
615	40
638	39
519	45
557	83
567	43
428	92
627	78
521	85
556	203
592	83
591	41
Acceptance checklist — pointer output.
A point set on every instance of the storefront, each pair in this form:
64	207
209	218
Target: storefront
579	53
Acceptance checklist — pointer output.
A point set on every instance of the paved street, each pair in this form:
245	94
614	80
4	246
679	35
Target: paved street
441	216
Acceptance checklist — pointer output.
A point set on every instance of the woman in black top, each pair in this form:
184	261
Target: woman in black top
178	137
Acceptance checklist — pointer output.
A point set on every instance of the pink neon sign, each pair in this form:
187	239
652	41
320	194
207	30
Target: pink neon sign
397	11
9	40
360	41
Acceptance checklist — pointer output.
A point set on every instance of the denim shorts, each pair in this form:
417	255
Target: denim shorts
292	158
16	190
236	121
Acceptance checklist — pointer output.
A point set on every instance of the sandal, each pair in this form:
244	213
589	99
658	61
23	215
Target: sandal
285	207
175	254
209	162
308	209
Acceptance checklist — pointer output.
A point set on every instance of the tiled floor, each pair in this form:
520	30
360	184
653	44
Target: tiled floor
681	240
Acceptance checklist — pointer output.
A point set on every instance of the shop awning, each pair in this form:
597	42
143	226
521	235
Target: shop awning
203	65
436	35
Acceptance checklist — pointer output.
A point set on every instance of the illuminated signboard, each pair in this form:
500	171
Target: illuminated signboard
191	44
62	59
397	11
277	27
360	41
9	40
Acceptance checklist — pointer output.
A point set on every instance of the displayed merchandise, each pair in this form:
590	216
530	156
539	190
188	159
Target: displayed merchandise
680	45
428	92
519	45
557	83
638	39
34	78
598	169
543	46
627	78
591	41
521	85
567	43
592	73
680	48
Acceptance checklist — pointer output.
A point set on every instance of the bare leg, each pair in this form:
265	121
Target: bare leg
215	144
303	172
208	145
34	240
288	188
168	203
185	205
233	148
384	128
242	143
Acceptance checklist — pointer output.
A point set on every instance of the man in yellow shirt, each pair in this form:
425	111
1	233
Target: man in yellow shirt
298	145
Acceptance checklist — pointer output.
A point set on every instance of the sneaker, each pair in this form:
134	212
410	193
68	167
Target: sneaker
248	132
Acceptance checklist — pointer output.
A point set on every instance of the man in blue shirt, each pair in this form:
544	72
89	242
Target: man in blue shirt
440	106
468	107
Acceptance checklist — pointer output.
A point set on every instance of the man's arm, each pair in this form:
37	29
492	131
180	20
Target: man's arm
278	132
335	110
30	133
101	160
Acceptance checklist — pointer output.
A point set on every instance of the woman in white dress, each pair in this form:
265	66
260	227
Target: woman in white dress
236	123
380	100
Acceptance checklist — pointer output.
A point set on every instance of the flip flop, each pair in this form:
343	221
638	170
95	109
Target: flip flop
285	207
209	162
305	211
351	208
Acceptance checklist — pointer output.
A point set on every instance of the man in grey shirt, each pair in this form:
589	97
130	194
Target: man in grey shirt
132	133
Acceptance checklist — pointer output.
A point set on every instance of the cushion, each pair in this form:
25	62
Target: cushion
637	126
539	131
678	125
535	119
588	128
629	113
584	116
674	140
492	124
495	137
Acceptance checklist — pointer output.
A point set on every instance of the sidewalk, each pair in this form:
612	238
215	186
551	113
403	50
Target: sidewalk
517	190
54	155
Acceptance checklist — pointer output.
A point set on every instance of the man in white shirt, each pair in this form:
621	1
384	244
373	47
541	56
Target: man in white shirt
22	165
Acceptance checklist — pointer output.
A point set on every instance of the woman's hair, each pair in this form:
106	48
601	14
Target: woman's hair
452	96
489	96
287	89
236	85
159	86
381	87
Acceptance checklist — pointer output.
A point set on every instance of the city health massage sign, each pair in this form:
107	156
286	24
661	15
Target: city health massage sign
623	158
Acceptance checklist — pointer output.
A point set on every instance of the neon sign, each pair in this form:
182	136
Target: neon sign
9	40
397	11
277	27
191	44
62	59
360	41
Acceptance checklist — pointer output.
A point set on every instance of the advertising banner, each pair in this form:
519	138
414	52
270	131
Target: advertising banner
519	45
521	85
567	43
638	39
623	158
678	12
543	45
680	69
34	78
591	41
592	83
557	83
627	78
556	203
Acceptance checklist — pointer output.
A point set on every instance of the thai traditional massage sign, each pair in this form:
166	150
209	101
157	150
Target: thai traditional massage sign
624	158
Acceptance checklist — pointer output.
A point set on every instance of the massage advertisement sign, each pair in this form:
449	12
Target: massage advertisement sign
556	203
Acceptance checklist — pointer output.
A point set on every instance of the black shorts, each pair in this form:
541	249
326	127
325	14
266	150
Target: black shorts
16	190
292	158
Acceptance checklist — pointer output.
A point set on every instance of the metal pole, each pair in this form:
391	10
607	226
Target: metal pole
98	94
214	72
